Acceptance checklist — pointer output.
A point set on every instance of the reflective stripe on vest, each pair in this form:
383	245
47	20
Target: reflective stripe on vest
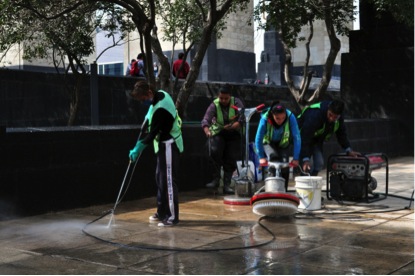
321	130
216	127
285	140
175	131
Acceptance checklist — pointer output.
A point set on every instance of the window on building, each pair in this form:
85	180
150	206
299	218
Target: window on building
112	69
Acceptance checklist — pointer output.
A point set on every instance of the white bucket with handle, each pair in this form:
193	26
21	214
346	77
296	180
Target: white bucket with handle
308	189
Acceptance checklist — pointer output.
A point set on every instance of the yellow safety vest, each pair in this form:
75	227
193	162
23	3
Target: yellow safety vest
216	127
285	140
321	130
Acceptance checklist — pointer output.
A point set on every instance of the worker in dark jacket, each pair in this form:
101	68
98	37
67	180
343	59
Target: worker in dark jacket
222	126
317	124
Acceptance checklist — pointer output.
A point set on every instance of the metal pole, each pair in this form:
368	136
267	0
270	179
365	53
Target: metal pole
94	94
247	155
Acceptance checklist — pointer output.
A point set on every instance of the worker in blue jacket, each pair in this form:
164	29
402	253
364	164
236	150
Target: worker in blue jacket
318	122
277	130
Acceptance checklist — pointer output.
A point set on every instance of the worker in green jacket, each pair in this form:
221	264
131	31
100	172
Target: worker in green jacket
163	129
222	126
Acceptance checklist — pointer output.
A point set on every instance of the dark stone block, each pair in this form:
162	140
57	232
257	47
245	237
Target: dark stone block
54	169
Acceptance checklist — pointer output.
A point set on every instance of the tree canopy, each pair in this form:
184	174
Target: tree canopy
61	31
402	11
289	18
194	22
65	28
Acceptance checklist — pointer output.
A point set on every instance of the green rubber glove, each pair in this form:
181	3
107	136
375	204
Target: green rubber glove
137	150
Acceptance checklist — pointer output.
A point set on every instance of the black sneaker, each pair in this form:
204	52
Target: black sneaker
228	190
167	223
214	184
154	218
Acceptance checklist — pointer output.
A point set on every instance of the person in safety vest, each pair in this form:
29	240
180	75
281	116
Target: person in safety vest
162	128
222	126
277	130
318	122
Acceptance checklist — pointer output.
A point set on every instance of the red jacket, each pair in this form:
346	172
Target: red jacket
185	70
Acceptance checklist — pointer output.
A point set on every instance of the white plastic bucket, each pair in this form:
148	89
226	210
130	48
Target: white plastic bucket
308	189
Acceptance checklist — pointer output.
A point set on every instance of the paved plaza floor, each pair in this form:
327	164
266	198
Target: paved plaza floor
215	238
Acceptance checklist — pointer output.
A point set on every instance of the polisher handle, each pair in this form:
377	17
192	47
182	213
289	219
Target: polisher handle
257	108
260	107
236	108
264	164
292	165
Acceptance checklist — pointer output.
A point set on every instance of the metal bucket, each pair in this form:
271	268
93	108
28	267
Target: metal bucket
275	184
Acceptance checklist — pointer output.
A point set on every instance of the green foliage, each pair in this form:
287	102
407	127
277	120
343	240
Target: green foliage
12	28
184	20
179	18
288	17
402	10
59	27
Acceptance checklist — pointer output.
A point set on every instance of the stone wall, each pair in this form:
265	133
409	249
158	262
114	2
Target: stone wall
238	33
377	76
33	99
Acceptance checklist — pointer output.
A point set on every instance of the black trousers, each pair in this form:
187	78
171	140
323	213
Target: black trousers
224	151
167	173
276	153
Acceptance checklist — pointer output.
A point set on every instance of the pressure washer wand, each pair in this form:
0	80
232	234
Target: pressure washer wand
125	176
119	194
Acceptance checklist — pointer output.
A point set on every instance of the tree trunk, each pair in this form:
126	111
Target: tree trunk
176	82
307	75
287	72
190	81
74	102
335	45
148	62
318	94
164	70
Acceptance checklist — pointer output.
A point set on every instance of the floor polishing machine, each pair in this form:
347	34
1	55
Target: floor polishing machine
245	182
272	200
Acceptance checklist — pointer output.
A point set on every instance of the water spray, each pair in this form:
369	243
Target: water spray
119	194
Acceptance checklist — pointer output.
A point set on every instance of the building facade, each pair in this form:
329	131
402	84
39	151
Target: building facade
241	54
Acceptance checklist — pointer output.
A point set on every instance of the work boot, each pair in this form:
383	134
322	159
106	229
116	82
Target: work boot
214	183
314	173
227	190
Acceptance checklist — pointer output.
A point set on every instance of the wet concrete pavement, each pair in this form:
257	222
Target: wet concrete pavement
217	238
